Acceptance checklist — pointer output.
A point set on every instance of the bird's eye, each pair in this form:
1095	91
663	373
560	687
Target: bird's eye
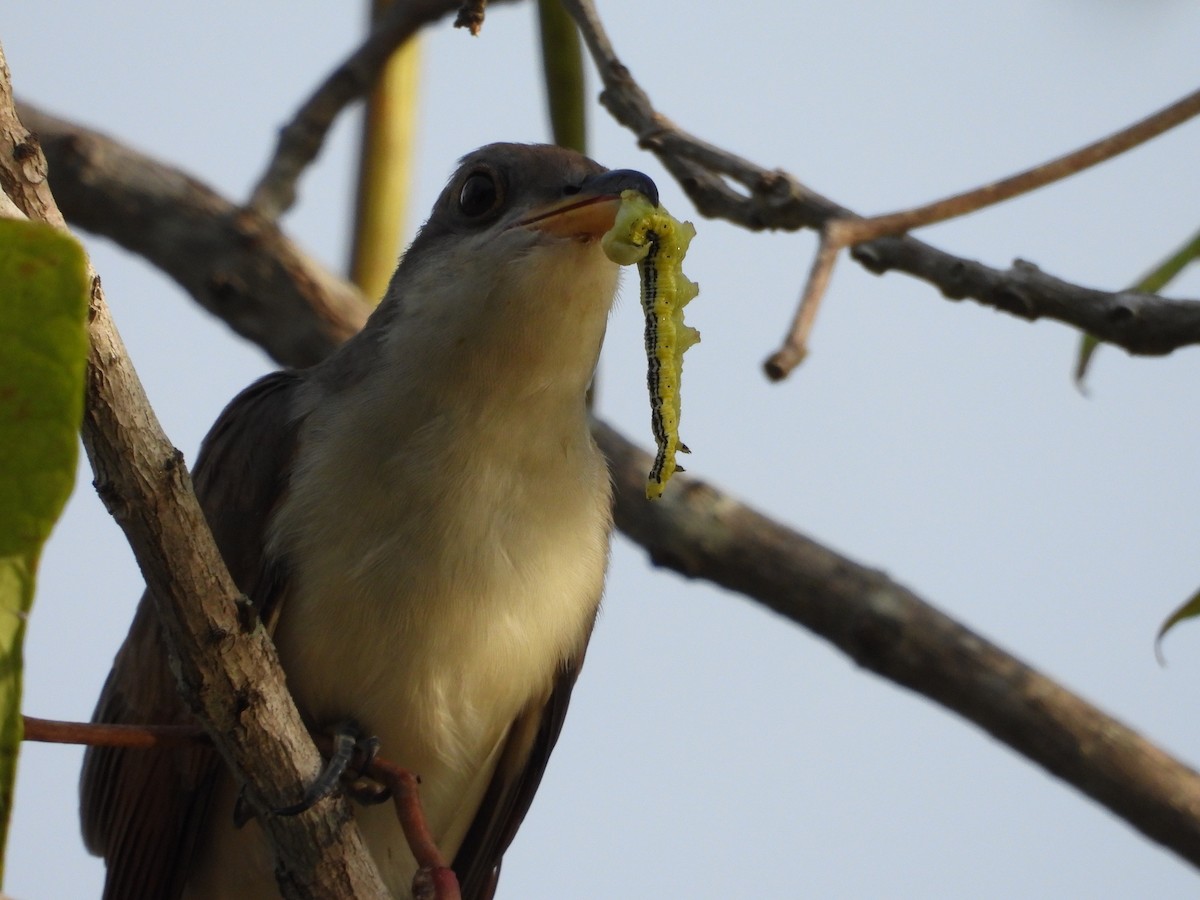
480	195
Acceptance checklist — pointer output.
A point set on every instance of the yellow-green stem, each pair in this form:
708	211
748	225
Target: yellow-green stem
384	166
562	66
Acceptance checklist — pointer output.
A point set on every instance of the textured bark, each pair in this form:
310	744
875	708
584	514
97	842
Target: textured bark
226	664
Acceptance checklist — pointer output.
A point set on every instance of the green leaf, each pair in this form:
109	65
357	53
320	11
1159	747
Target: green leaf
1088	344
43	351
1190	609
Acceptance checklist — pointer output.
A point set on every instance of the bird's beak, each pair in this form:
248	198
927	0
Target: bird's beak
589	212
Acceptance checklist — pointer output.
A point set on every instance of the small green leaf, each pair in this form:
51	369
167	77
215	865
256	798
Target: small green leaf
1087	346
43	351
1190	609
1150	283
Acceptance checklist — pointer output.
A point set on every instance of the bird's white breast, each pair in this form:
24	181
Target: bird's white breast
434	597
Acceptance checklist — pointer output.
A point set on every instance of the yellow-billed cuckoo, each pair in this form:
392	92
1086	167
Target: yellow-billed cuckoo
423	519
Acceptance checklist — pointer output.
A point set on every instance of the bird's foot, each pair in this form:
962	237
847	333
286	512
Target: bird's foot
348	741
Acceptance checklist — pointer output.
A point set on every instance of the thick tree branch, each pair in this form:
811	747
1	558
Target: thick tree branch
887	629
1142	324
227	668
236	265
884	627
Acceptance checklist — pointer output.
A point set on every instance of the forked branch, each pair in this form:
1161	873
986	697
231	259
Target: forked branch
773	198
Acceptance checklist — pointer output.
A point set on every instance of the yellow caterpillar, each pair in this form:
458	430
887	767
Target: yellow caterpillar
651	237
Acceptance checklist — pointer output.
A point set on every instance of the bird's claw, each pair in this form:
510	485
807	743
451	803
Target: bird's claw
347	740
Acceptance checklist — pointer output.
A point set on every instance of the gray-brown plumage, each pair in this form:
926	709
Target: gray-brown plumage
423	521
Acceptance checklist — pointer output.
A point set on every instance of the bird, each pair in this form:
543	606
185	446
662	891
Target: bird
422	521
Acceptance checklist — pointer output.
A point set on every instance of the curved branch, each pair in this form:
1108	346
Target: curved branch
301	139
1141	323
886	628
237	266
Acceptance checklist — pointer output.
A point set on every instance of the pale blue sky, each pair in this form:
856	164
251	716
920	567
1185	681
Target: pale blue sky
713	750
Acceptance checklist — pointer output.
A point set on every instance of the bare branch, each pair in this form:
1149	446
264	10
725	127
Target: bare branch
228	673
300	140
1140	323
1144	324
434	878
795	345
95	734
884	627
282	300
842	232
850	231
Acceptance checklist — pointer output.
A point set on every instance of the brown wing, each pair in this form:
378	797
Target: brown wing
141	809
518	774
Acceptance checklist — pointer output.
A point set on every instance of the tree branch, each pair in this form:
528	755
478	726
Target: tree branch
301	139
96	734
228	670
795	345
840	233
886	628
280	299
855	230
1142	324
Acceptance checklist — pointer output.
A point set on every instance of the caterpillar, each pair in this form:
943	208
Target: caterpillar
651	237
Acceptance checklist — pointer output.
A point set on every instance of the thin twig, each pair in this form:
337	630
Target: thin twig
95	734
840	233
434	878
404	786
850	231
795	345
431	877
302	138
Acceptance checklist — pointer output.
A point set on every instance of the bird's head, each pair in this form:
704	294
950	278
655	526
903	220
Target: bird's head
507	279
